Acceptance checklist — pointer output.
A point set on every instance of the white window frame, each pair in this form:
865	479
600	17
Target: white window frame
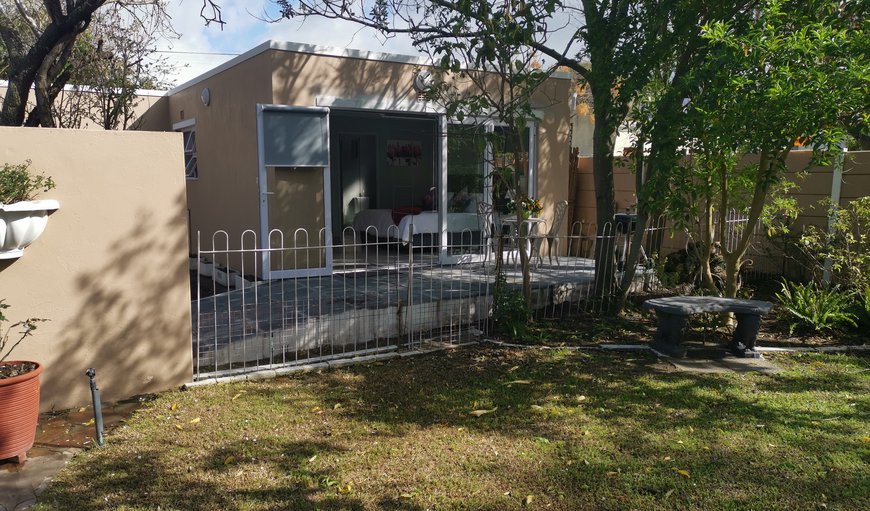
188	126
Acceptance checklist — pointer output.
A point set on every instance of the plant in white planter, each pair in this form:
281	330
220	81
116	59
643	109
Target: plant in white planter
22	219
19	390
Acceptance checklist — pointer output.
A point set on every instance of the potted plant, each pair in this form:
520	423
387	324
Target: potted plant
19	390
22	219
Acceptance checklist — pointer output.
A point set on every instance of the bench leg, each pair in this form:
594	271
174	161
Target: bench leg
669	336
743	340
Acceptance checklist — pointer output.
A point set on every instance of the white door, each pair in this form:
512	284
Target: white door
294	182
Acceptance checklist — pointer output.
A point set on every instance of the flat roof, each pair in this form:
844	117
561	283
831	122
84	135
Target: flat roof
314	49
87	88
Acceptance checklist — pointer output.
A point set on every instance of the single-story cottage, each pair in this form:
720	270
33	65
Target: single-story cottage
292	145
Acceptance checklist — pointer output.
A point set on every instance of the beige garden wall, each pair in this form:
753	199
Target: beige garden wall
814	185
111	269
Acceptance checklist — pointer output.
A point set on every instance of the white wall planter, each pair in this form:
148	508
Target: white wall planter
21	223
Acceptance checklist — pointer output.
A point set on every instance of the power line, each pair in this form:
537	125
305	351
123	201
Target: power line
199	53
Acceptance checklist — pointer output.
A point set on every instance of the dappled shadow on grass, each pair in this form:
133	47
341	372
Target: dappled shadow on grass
573	430
727	430
146	478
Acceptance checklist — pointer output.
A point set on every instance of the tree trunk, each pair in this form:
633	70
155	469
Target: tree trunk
602	170
734	258
28	56
631	260
706	248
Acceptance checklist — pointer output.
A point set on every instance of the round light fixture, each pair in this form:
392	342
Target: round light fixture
423	80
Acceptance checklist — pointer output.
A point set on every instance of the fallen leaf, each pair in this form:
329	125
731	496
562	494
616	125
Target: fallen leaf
173	406
229	459
537	407
679	441
312	458
867	439
581	398
240	472
478	413
89	423
512	369
519	382
348	488
667	458
668	493
195	421
684	473
237	396
178	427
336	406
528	500
612	473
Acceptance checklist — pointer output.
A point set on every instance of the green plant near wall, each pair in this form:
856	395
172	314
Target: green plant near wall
8	341
19	183
510	313
861	308
816	309
843	248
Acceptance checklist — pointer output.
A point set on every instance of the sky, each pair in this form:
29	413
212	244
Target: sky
201	48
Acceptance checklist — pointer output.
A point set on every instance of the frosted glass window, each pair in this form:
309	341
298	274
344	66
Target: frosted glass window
296	138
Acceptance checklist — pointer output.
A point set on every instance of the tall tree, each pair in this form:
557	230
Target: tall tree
614	46
111	61
38	54
796	70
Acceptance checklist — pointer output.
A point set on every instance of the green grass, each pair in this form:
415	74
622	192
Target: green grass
573	431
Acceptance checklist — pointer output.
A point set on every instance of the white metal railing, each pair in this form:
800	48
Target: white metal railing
382	294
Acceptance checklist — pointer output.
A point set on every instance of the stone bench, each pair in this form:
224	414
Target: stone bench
673	314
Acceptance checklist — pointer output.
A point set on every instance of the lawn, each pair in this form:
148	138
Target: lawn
495	429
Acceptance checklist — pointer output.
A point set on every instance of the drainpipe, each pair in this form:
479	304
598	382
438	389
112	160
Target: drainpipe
836	186
98	407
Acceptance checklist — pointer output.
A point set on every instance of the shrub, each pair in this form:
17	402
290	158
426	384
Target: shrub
845	247
811	308
18	183
861	308
510	315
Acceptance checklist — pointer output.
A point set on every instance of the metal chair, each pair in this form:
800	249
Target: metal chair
552	235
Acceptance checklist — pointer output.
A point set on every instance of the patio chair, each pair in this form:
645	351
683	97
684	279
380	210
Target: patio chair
552	235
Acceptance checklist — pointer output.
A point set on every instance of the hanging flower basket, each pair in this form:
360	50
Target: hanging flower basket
21	223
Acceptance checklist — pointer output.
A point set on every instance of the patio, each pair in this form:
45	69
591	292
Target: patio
401	301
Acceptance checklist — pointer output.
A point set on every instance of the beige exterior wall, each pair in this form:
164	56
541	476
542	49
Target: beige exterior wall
225	196
110	271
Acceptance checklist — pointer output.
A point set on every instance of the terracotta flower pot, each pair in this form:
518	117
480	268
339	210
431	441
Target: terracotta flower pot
19	411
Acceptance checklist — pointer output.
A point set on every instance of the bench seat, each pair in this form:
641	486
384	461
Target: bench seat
673	313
